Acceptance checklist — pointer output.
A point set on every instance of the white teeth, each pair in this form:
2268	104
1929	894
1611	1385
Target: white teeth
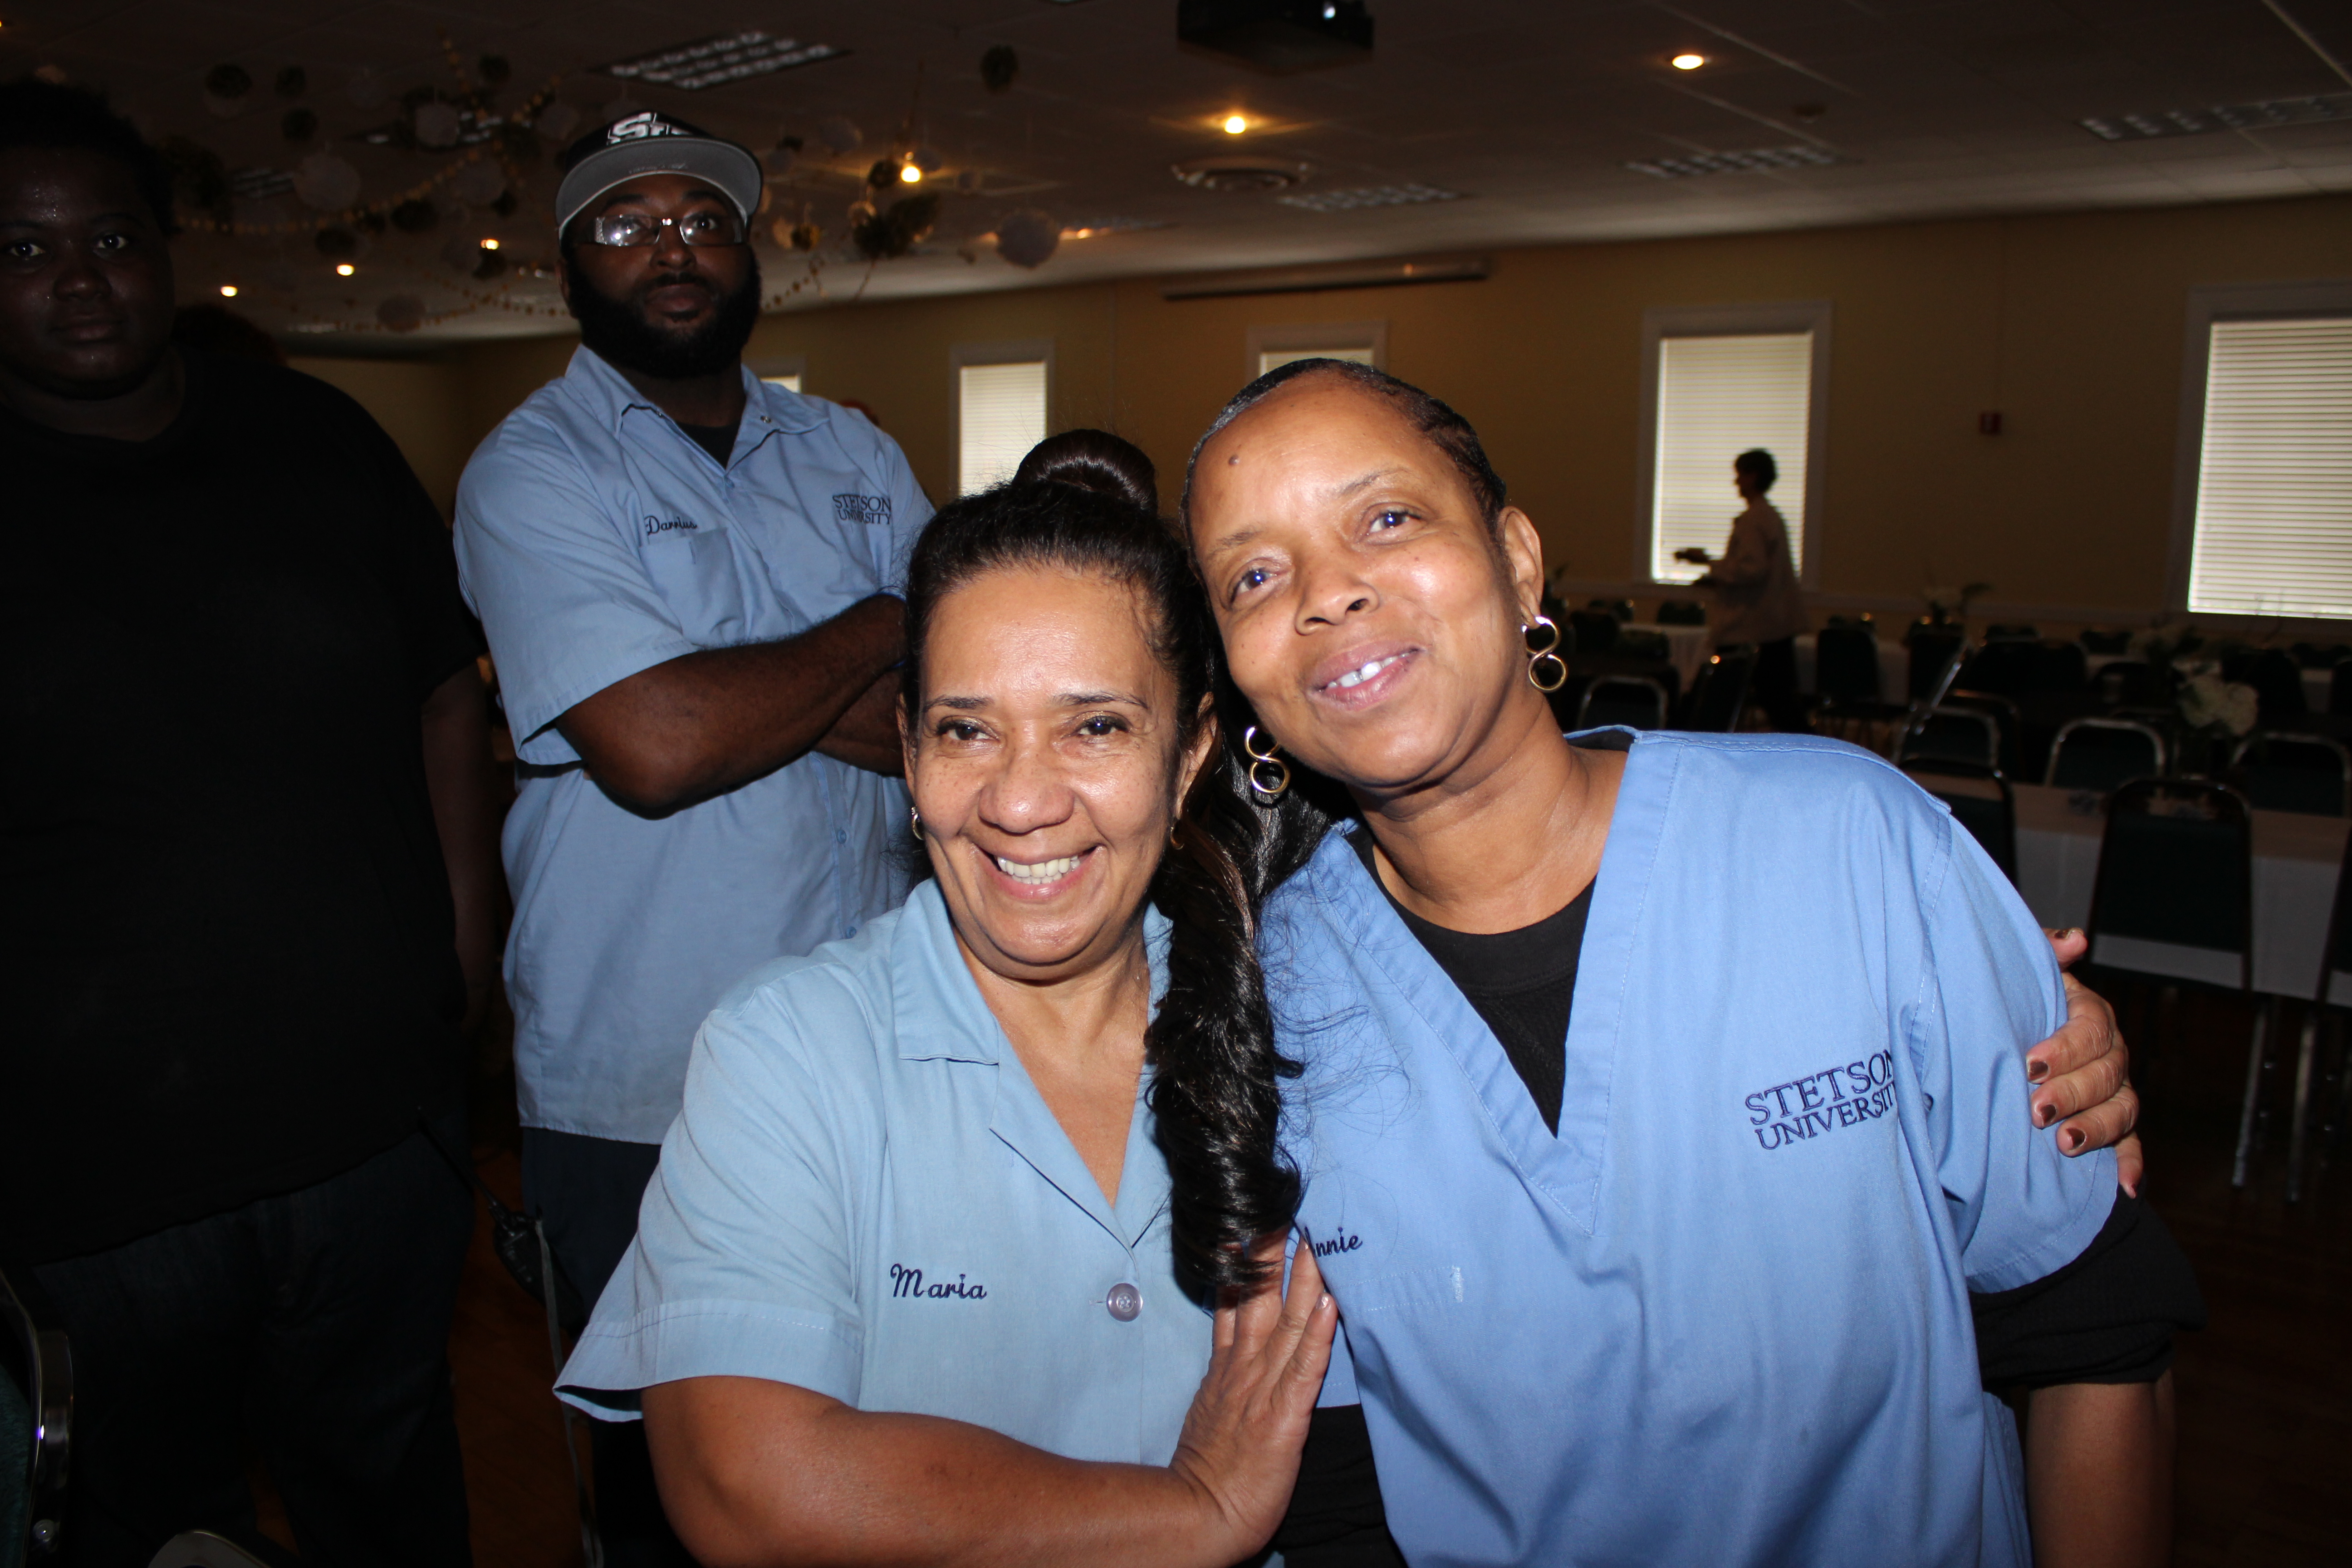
1043	871
1358	677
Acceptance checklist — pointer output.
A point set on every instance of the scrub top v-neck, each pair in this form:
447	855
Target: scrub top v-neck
866	1195
1723	1316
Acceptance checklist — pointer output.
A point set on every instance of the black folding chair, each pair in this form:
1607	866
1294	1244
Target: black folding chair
1934	657
35	1418
1595	630
2339	691
2332	994
1719	695
1980	800
2104	754
1953	735
2174	899
2129	683
1628	700
1681	613
2281	772
2277	681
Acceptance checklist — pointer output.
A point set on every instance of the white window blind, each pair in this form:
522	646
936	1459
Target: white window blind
1001	415
788	383
1269	358
1717	398
2273	531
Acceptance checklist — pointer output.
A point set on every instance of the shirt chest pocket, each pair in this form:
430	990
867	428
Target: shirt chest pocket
691	564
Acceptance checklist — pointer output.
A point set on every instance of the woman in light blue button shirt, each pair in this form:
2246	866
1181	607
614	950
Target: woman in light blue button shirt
907	1279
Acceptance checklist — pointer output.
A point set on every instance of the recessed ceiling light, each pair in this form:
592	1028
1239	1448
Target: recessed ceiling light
1688	62
345	269
711	62
2221	117
1239	171
1236	125
910	173
228	290
490	245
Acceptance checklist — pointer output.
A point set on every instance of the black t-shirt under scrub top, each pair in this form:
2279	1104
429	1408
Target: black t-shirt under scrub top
224	918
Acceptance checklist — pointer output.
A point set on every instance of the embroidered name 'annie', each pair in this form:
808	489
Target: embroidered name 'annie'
907	1284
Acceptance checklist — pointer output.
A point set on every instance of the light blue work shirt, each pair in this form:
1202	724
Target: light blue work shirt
865	1196
595	540
1723	1317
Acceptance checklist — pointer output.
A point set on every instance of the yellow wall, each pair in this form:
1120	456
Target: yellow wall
2069	325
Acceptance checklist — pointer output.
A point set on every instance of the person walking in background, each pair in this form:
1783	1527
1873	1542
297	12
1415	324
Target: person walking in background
689	578
247	857
1756	584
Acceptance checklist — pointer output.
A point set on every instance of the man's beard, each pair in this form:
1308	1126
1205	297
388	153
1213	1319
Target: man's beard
618	331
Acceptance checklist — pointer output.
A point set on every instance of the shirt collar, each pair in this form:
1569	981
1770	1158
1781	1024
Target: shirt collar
608	393
941	1014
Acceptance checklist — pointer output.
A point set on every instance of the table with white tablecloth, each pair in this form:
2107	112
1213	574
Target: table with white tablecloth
2318	685
2295	862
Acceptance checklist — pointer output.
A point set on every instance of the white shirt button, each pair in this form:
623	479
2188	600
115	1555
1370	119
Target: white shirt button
1125	1302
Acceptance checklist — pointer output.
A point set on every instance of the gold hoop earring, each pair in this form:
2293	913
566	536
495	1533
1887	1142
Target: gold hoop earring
1546	672
1269	758
915	823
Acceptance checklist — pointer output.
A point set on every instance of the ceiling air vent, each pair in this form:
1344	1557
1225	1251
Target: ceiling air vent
713	62
1240	172
1368	196
1754	161
2221	117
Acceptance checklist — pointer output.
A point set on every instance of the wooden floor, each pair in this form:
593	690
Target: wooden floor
2265	1392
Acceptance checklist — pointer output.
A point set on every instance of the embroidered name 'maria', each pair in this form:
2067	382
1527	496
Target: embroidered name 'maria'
907	1284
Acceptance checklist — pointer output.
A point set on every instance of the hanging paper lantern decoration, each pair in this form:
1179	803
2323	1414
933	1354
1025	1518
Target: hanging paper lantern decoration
494	69
298	125
228	81
784	154
840	135
415	216
928	160
1029	237
882	174
402	312
462	252
337	244
492	263
791	235
478	183
998	67
438	124
325	183
557	121
967	180
293	82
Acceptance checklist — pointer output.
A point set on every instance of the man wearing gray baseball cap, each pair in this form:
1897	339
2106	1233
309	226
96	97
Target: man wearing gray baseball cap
689	582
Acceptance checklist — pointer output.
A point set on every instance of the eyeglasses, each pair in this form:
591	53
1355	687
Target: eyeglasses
636	230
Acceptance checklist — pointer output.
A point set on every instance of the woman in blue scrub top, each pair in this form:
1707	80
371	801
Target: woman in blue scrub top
905	1285
1665	1115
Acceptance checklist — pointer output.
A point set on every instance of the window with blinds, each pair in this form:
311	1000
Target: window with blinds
791	383
1000	414
2274	522
1717	398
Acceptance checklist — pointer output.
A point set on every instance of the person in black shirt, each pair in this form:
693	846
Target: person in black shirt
248	852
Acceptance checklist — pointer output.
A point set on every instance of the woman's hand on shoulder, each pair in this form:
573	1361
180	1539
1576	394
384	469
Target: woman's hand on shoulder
1242	1438
2083	1074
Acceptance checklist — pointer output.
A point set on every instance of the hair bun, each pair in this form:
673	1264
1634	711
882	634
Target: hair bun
1094	460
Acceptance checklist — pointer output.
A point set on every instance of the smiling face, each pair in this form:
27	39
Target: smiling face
85	279
1047	762
1369	613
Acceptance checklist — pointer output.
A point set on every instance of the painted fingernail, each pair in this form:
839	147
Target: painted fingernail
2073	1140
2044	1115
2036	1068
2070	934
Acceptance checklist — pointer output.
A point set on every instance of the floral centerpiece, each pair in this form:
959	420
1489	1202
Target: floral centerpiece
2214	713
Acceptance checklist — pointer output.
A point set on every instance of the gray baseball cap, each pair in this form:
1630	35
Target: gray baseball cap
653	143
